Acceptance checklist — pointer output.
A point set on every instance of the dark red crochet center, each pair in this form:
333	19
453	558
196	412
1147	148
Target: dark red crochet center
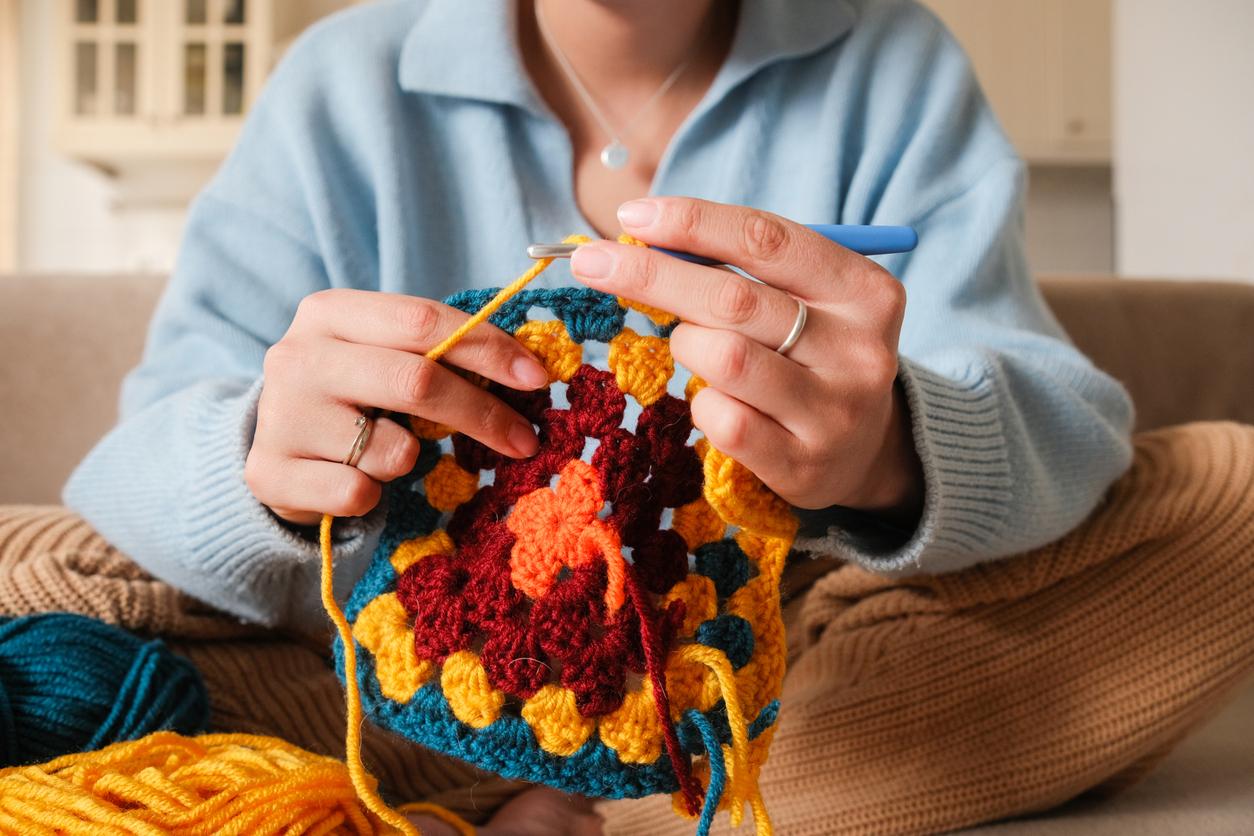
465	600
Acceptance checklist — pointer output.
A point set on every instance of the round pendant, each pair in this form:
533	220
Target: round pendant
615	155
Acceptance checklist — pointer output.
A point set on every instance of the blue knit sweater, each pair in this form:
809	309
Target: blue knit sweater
402	147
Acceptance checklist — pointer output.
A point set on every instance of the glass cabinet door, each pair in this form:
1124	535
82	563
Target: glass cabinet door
213	56
106	54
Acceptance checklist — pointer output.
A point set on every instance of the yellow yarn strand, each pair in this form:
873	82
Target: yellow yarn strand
503	295
363	782
741	784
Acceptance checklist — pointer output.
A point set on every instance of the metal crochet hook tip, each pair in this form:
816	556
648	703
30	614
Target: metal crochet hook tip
538	251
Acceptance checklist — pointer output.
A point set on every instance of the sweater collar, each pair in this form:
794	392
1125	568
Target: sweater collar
468	49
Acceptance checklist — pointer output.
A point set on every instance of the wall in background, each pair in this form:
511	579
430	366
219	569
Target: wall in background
1184	138
1045	67
1070	219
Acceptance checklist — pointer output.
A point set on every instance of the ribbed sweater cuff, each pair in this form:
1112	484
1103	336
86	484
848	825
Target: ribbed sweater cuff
967	483
248	552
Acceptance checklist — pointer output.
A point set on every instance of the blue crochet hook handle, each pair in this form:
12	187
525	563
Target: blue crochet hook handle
865	240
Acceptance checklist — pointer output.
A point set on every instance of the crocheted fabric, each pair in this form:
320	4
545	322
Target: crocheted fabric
602	617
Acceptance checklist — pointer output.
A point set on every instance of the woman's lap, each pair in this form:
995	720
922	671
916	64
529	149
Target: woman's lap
916	705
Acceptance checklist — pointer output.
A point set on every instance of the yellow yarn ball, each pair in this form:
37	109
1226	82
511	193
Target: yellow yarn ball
167	783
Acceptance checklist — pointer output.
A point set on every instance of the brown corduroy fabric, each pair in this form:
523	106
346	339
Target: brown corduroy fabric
934	703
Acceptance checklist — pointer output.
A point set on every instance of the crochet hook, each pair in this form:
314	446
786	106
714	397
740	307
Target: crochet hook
866	240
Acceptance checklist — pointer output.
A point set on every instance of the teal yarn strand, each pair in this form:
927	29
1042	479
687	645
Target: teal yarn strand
69	683
718	770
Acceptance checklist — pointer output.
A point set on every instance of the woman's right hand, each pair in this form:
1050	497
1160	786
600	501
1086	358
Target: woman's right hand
349	350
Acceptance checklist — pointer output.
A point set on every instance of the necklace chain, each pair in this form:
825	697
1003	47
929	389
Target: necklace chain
615	155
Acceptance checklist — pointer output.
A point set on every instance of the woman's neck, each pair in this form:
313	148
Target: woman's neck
623	51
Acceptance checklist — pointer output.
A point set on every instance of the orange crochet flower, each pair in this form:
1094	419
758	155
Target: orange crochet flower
556	529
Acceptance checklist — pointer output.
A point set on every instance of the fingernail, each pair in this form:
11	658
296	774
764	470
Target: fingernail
637	213
523	439
529	373
591	262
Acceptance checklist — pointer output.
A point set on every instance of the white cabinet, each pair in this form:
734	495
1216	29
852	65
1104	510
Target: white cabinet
156	81
1045	66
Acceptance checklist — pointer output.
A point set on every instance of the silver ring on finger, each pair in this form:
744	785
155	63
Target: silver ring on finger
798	326
365	426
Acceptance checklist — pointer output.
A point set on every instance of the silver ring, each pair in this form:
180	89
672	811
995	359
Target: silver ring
798	326
364	426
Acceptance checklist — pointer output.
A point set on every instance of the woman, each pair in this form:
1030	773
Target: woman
407	150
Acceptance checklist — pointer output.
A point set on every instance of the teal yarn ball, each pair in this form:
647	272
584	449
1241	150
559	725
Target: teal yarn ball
69	683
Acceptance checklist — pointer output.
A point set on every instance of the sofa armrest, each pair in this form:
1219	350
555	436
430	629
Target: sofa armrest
1184	349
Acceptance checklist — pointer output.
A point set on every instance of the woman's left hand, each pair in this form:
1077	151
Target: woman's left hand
824	424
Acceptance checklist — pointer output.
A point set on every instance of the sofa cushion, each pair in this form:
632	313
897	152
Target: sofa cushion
65	344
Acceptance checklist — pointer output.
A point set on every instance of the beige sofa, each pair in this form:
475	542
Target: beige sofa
1185	350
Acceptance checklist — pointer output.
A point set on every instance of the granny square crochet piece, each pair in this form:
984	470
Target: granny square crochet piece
602	617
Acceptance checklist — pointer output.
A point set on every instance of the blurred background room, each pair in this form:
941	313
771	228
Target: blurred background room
1136	118
1132	114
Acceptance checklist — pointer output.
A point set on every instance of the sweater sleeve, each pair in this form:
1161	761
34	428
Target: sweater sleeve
166	485
1018	433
